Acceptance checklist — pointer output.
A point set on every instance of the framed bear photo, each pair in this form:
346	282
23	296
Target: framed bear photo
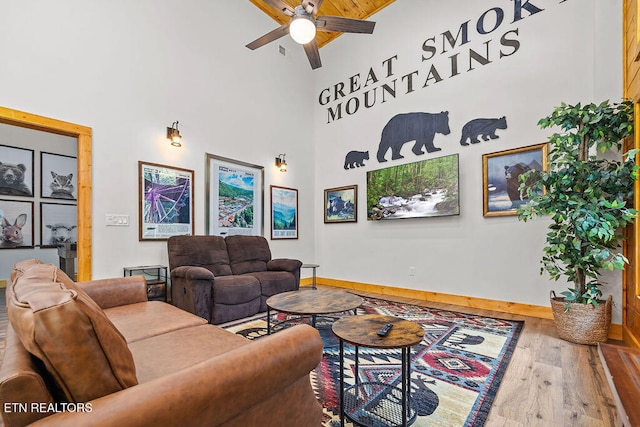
500	173
58	176
341	204
16	171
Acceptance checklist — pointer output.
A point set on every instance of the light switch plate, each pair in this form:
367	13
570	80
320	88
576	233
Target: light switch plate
120	220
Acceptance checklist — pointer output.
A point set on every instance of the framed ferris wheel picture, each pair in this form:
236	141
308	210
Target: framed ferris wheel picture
165	201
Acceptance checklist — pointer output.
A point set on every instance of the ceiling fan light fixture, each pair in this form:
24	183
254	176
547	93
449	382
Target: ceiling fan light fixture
302	28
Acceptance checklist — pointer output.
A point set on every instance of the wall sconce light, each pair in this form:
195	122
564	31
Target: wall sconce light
281	163
173	135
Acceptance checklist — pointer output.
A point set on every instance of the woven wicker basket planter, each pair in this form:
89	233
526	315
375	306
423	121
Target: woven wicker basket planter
583	323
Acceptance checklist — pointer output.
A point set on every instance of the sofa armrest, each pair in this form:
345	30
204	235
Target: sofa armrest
192	272
218	390
284	264
191	290
116	291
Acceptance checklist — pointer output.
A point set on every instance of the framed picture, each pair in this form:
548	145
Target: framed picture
234	197
165	195
16	224
58	224
341	204
58	176
422	189
16	171
500	172
284	213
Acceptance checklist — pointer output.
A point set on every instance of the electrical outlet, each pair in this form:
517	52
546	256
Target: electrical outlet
412	271
117	220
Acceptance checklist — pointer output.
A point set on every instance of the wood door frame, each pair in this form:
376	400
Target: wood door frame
84	135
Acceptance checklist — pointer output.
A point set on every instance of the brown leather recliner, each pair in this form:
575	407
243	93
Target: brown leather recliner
227	278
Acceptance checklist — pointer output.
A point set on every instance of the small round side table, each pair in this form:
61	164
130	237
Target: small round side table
361	331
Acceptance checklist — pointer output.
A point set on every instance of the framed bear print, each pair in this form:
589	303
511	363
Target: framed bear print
500	177
58	176
341	204
16	171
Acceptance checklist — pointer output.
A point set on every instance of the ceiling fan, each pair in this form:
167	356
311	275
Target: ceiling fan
303	25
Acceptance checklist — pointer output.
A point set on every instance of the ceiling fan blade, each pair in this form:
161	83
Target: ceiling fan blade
269	37
344	25
311	49
281	6
311	6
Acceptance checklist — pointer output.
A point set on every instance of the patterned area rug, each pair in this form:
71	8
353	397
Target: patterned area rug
456	370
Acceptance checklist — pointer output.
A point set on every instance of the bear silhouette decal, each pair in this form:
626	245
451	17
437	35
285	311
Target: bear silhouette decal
418	127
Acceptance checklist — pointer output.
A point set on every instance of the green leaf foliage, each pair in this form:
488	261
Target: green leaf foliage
586	197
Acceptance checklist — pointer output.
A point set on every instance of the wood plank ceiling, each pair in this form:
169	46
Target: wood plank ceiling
359	9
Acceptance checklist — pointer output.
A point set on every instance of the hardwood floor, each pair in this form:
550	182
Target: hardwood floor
548	383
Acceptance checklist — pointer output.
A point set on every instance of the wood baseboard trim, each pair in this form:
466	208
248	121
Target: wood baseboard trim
542	312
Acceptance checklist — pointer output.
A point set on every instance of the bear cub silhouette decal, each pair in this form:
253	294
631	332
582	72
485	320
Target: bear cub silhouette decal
482	127
418	127
355	159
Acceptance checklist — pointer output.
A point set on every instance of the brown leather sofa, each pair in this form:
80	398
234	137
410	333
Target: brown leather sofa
99	354
227	278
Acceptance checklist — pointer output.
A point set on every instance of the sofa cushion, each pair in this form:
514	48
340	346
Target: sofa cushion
147	319
168	353
209	252
81	349
248	253
275	282
235	289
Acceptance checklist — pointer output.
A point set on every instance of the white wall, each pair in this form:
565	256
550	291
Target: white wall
571	51
130	69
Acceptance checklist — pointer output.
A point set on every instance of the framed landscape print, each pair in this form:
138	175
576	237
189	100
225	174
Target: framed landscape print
58	224
428	188
16	171
284	213
341	204
234	197
165	196
16	220
58	176
500	172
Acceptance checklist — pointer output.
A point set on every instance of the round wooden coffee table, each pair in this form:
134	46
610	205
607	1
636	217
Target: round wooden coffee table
362	331
312	303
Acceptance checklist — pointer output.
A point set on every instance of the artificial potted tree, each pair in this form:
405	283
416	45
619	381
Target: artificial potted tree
588	198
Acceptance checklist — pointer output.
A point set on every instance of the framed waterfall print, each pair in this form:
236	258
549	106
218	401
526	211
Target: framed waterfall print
284	213
424	189
234	197
500	177
341	204
165	196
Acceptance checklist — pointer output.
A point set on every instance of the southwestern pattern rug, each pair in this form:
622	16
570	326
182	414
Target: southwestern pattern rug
456	369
